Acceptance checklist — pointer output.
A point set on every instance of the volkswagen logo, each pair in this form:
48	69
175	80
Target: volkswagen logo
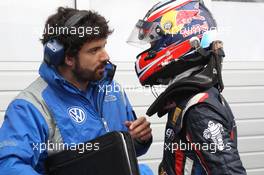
77	114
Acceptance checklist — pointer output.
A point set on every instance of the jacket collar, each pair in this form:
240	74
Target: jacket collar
53	78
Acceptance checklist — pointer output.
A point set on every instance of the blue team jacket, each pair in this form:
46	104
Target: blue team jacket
52	110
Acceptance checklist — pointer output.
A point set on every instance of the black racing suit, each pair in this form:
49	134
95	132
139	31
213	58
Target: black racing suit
201	138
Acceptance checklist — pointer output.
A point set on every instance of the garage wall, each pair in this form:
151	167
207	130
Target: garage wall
21	54
22	23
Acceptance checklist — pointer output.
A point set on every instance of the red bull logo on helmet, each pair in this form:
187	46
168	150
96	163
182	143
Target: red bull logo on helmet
174	21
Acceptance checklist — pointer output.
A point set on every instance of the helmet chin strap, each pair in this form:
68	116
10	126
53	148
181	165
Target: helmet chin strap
218	55
185	74
201	1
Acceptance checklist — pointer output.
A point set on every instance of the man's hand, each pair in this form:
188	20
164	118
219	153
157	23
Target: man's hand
139	129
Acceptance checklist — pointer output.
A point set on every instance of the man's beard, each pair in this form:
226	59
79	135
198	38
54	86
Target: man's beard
84	75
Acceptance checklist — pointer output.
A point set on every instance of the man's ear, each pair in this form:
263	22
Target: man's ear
69	61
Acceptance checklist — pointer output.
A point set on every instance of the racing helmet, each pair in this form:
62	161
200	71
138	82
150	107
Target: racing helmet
168	28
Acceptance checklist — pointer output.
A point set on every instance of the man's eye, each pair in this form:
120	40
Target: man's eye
93	51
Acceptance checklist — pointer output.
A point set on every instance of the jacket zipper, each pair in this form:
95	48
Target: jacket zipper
105	124
100	112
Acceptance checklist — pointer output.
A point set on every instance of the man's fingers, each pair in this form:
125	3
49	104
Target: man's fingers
145	132
146	137
142	133
140	128
128	123
137	122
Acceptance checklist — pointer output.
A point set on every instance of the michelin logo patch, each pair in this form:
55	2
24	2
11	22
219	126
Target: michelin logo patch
77	114
169	134
214	132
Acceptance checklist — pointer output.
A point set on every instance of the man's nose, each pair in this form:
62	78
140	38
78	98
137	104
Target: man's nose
104	56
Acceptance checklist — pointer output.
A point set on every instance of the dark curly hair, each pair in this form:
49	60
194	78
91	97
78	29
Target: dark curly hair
95	27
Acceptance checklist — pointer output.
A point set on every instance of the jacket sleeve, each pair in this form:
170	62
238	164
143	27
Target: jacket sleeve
21	135
214	141
140	147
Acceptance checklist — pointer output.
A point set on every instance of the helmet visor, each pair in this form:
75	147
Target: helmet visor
144	33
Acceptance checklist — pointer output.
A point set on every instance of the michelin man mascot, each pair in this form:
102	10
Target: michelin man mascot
186	56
